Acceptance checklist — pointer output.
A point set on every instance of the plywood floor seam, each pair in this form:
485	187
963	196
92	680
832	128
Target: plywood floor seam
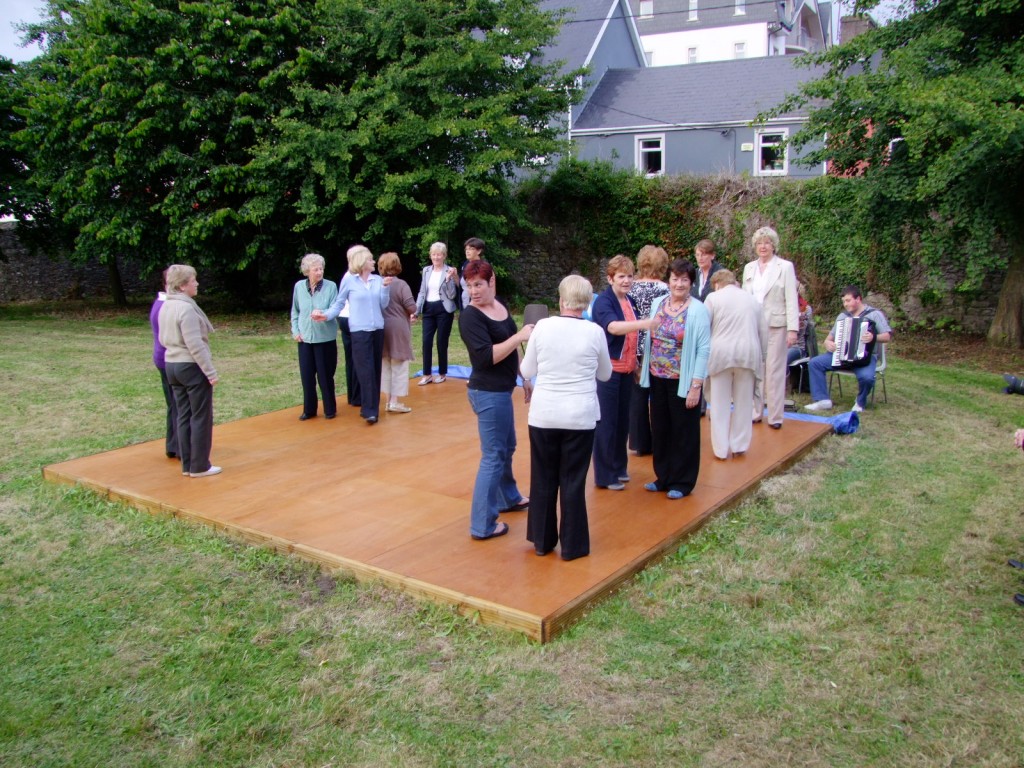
390	503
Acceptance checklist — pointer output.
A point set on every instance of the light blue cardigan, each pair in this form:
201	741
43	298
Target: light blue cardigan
693	363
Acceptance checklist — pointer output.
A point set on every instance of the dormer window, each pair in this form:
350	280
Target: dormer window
741	7
646	9
693	11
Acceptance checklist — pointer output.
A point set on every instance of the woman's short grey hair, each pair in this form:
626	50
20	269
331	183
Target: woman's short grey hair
766	233
575	292
358	255
440	247
311	260
178	275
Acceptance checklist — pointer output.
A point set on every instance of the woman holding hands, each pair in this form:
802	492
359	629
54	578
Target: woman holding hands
367	295
318	342
490	336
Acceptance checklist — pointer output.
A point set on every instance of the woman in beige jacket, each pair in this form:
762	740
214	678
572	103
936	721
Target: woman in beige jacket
772	281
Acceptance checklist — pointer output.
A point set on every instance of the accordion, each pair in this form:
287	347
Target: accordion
851	350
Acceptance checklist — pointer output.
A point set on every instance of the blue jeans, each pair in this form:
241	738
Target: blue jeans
821	364
495	489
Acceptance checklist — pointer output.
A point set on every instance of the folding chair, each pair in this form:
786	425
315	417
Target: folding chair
880	364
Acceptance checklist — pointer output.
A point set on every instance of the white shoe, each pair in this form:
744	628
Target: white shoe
857	408
821	405
211	471
425	380
398	408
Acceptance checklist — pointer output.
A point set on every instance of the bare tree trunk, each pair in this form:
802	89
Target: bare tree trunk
1007	329
116	286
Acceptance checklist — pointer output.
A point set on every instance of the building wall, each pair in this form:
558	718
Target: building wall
672	48
701	151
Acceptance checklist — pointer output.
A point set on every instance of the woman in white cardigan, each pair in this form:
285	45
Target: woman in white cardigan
772	281
568	355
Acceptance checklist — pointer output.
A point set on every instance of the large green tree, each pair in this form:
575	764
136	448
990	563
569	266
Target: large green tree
410	117
142	117
929	111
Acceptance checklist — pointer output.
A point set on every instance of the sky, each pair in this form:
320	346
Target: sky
17	11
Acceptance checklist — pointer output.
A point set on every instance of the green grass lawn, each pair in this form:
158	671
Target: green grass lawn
855	611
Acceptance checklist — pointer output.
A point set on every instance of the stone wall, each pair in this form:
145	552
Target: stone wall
28	276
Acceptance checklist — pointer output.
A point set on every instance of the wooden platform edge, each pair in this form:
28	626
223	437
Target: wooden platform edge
572	612
483	611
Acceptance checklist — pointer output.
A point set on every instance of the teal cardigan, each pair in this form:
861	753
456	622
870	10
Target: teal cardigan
303	304
693	363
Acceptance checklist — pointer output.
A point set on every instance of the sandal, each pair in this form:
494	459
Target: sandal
519	506
424	381
439	379
499	530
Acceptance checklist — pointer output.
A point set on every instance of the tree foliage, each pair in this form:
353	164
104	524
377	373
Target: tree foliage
232	132
929	110
410	118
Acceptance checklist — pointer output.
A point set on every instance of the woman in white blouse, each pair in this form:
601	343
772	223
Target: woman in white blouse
568	355
772	281
435	305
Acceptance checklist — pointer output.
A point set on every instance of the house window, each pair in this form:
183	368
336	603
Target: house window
650	155
741	7
691	55
771	156
646	9
693	10
739	50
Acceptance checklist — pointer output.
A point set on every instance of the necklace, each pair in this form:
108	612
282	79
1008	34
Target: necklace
675	310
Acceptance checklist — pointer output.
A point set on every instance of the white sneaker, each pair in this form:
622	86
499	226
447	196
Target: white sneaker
857	408
211	471
821	405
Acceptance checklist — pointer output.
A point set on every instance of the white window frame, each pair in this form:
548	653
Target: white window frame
739	50
692	16
691	55
646	9
741	8
640	153
759	146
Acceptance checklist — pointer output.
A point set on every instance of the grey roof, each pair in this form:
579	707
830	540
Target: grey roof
712	93
673	15
582	23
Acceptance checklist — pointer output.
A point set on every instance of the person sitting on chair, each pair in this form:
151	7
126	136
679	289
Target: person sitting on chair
875	330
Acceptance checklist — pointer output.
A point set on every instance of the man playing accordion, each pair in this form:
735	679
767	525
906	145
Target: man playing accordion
851	347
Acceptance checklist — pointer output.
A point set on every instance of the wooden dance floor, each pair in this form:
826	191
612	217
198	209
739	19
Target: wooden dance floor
390	502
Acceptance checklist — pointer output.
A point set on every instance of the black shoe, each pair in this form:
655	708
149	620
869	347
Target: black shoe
1015	564
1018	599
304	417
776	426
172	455
371	419
330	415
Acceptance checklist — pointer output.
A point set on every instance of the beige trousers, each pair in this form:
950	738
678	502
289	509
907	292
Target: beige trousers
732	392
773	381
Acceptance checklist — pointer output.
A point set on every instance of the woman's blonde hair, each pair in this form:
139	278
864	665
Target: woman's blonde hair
358	255
441	247
722	278
178	275
575	292
389	264
652	262
619	263
311	260
766	233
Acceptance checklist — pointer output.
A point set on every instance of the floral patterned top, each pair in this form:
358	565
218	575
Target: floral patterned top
643	293
667	342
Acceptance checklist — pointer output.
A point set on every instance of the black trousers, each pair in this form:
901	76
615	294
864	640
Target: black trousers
612	433
675	437
351	382
436	320
193	396
367	359
317	365
171	434
640	421
558	468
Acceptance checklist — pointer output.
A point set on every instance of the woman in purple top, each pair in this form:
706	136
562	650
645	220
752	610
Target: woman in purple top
171	437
